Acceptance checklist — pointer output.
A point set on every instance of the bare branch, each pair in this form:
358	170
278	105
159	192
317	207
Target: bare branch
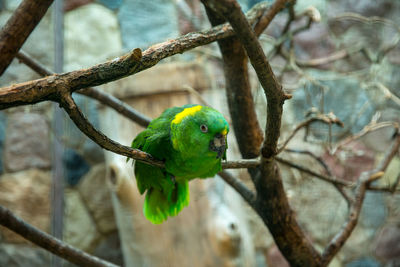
103	97
363	182
273	90
372	126
313	173
271	202
17	29
46	241
325	118
238	92
46	88
266	19
69	105
240	187
241	164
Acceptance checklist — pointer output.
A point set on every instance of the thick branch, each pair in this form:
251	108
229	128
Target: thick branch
103	97
238	93
46	241
18	28
46	88
271	203
364	181
230	9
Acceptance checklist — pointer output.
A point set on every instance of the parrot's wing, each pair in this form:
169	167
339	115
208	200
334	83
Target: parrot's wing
157	144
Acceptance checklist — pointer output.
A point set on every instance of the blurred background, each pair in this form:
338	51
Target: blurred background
339	56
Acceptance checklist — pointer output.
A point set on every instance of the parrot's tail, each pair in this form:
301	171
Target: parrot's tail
158	205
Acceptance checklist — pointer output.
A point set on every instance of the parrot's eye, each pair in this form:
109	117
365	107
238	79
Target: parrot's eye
204	128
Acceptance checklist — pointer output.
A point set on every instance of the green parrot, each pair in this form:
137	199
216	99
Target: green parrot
191	140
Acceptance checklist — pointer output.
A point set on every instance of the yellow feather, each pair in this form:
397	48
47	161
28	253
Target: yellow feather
224	132
186	112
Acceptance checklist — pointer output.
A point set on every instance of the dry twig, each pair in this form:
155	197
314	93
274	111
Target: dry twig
329	119
240	187
364	181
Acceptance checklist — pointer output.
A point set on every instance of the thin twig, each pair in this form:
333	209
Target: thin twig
46	241
363	182
239	186
313	173
266	19
326	168
325	118
370	127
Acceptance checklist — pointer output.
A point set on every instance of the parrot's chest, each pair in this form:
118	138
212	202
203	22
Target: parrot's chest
200	166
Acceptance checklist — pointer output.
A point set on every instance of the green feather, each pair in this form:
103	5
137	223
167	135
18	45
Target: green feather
177	139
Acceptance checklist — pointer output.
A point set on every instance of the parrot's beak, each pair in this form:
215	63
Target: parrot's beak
218	144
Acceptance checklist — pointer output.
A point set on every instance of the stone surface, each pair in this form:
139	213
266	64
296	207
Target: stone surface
111	4
147	22
79	228
12	255
364	262
75	167
174	77
88	39
350	161
327	97
387	244
27	142
27	194
373	212
313	43
96	195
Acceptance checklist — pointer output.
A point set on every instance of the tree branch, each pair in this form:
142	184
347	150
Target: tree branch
103	97
364	181
238	92
325	118
46	241
18	28
240	187
266	19
66	101
230	9
46	88
271	202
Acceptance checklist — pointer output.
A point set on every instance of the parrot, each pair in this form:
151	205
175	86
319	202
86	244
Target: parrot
192	141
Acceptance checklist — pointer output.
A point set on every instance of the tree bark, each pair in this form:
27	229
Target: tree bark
19	27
